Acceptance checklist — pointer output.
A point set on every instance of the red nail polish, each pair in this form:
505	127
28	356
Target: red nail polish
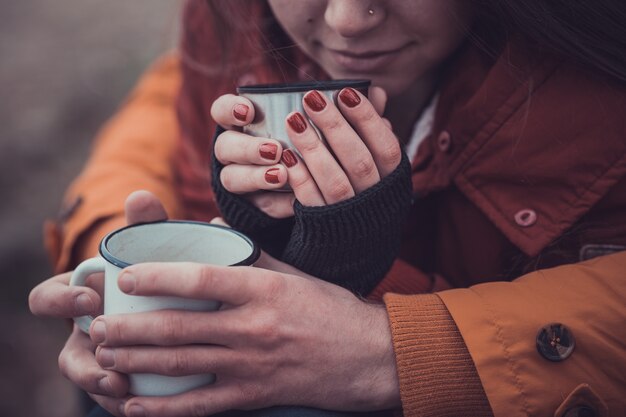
315	101
271	176
240	111
289	158
297	122
268	151
349	97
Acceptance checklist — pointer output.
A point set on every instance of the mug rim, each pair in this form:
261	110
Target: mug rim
112	259
303	86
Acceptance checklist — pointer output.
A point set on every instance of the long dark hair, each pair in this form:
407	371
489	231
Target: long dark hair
590	33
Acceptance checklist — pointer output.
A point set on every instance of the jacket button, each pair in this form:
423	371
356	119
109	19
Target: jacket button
526	217
444	141
555	342
582	411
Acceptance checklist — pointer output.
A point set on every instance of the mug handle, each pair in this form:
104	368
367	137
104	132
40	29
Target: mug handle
79	276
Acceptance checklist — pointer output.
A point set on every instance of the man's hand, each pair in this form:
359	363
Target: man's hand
55	298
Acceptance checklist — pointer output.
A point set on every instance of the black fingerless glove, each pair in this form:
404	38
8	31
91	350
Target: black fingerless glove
354	242
269	233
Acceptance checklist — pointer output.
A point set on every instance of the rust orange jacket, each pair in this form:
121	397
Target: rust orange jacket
521	180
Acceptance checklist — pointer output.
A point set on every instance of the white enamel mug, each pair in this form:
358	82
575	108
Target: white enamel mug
165	241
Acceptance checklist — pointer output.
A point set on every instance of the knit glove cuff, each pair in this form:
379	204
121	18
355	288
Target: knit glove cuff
270	233
354	242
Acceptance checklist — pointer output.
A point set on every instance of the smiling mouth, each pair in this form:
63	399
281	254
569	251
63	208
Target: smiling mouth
366	55
363	62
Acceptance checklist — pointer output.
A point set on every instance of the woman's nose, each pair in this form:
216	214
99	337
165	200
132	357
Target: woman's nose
351	18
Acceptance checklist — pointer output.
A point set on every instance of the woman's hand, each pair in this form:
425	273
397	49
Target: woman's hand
281	339
367	152
364	147
251	164
55	298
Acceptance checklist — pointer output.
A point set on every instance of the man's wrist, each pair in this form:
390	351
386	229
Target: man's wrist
382	388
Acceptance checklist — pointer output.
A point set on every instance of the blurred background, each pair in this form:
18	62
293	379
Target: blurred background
65	65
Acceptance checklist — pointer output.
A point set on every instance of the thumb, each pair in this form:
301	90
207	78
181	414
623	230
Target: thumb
143	207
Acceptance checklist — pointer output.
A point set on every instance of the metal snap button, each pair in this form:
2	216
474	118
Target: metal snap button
444	141
526	217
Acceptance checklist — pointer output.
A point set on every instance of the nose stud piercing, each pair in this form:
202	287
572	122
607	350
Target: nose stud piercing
370	12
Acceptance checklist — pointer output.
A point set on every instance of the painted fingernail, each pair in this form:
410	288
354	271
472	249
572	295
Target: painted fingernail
271	176
297	122
240	111
84	305
104	384
126	281
136	410
98	332
268	151
106	358
349	97
315	101
289	158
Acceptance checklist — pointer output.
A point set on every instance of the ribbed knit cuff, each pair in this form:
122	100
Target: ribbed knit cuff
436	372
354	242
270	233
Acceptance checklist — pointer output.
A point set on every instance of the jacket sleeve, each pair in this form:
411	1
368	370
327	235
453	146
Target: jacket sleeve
139	142
454	344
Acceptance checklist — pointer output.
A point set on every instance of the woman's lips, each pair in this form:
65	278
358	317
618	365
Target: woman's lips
366	61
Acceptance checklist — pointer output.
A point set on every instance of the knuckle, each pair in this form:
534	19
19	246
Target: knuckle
339	189
364	168
171	326
178	363
368	115
251	394
273	286
199	409
86	378
301	181
310	145
391	156
333	123
205	281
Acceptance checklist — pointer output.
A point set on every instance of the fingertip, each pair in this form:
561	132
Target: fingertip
350	97
289	158
84	304
240	112
142	206
126	281
231	111
219	221
276	176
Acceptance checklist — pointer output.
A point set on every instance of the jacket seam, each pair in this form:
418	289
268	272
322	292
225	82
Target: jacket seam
506	353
